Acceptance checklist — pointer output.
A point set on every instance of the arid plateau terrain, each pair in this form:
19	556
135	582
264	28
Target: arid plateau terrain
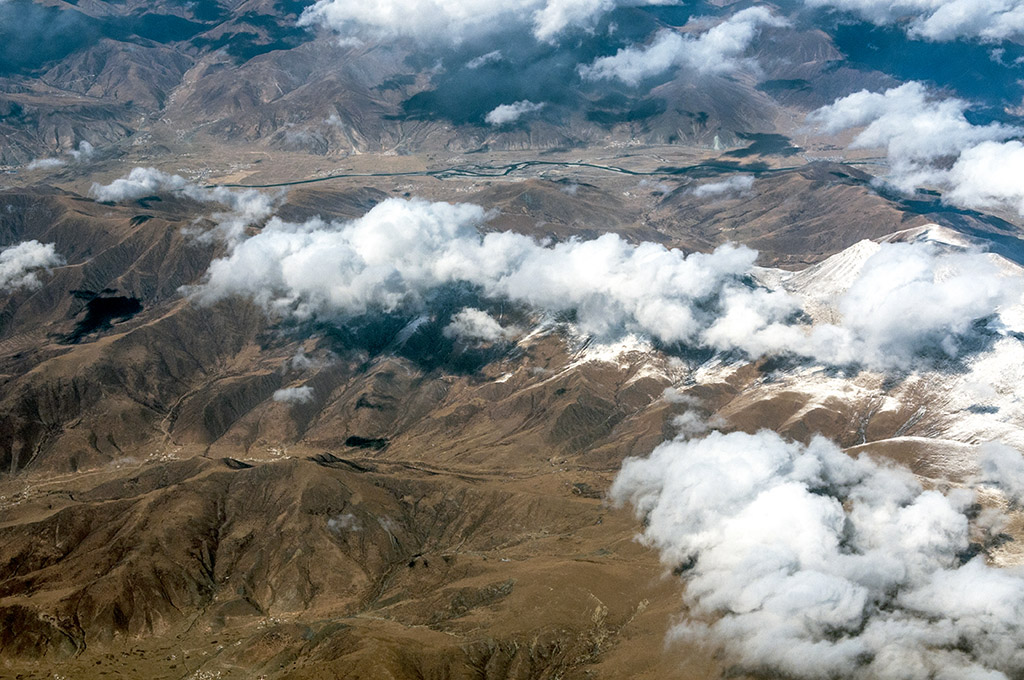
539	339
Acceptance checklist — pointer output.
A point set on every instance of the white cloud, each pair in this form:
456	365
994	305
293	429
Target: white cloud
139	183
401	250
674	396
718	50
294	395
45	164
344	522
477	325
246	207
1003	467
911	123
452	21
82	154
557	16
484	59
906	301
633	64
692	423
655	187
940	20
21	263
988	176
738	184
803	562
303	362
911	297
510	113
930	142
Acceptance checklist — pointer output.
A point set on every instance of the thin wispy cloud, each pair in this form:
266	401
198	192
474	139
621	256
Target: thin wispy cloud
737	185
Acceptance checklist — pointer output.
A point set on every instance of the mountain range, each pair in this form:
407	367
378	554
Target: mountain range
532	339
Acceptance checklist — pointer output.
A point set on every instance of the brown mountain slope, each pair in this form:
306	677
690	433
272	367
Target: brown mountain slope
433	510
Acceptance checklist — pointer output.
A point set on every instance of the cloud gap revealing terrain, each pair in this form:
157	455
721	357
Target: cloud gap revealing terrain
512	340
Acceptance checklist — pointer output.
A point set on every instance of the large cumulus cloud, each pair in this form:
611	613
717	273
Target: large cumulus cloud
909	298
907	301
452	21
940	20
21	264
988	176
401	251
930	142
803	562
718	50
